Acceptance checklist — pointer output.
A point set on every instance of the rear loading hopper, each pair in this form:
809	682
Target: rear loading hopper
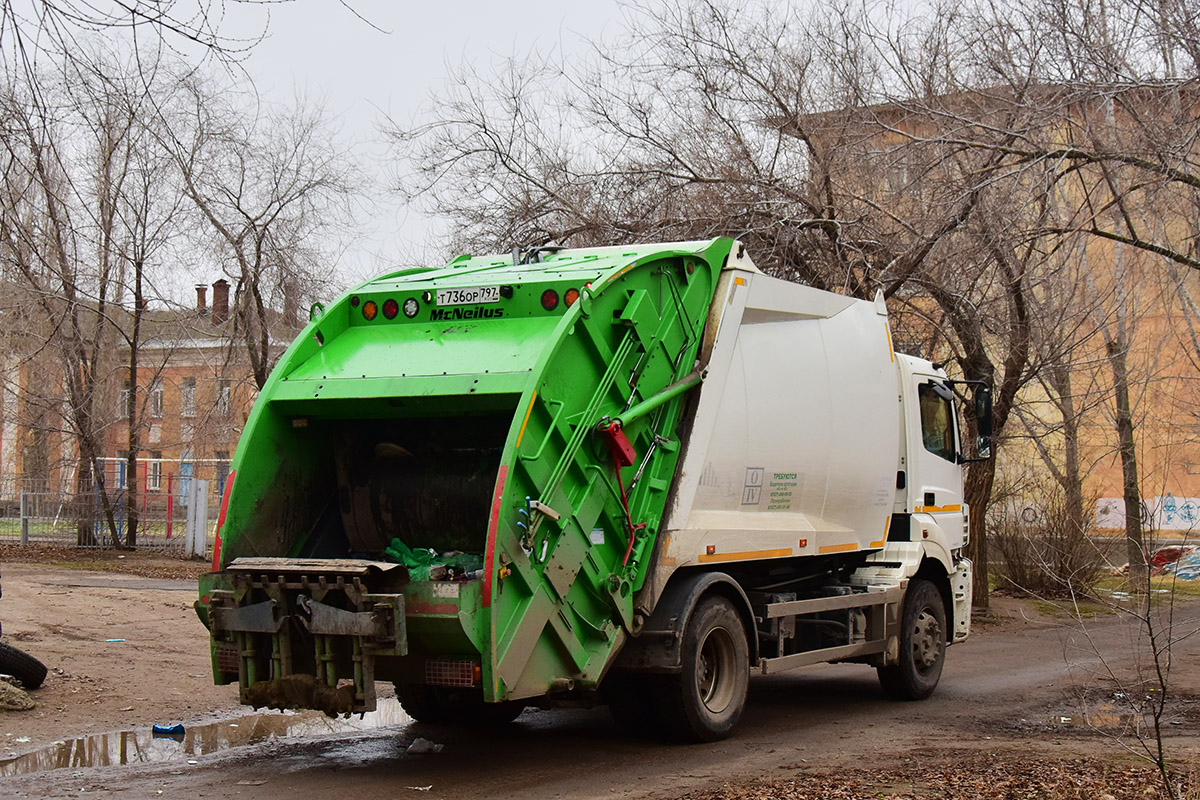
454	480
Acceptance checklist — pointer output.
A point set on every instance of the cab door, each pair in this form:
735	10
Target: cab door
937	490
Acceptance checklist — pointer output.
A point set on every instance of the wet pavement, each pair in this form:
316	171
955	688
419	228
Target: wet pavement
143	746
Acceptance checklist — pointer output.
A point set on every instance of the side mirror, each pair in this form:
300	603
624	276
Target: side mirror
983	421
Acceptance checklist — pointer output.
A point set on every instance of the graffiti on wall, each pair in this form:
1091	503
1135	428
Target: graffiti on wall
1165	513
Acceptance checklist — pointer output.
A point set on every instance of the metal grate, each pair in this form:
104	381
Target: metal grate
227	658
446	672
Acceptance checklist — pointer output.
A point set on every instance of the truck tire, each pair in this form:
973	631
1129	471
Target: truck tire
436	706
632	704
922	645
704	701
22	666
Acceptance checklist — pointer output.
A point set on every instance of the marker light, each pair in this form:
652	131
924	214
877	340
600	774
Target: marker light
411	307
390	308
549	299
354	301
370	310
570	297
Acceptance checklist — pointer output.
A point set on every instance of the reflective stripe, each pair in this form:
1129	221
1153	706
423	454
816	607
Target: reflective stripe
751	554
525	421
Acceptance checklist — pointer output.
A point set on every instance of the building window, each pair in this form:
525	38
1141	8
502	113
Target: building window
156	399
154	473
118	469
187	398
123	401
223	392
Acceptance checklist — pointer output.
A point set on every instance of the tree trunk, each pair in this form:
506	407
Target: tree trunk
977	491
131	410
1134	547
85	514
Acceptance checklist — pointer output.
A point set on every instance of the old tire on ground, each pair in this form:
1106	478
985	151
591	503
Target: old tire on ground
922	645
437	706
704	701
22	666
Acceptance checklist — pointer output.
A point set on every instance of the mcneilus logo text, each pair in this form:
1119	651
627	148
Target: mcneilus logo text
478	312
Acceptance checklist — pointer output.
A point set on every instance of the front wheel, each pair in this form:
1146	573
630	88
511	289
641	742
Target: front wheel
704	702
922	645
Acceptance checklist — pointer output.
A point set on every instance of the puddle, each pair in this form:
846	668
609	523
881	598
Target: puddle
1103	717
142	747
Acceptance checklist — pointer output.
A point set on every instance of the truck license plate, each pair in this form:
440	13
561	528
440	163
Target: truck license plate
468	296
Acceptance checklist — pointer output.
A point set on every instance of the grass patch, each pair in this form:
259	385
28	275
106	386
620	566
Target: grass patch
93	566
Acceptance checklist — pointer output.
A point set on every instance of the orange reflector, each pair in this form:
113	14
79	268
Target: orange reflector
710	550
804	542
370	310
570	297
549	299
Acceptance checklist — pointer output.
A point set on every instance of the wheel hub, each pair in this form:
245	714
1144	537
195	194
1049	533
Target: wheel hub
926	640
715	670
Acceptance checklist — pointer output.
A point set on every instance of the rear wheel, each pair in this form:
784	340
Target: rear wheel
632	703
705	701
922	645
22	666
421	703
438	706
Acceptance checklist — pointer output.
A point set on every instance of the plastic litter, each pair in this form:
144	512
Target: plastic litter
421	747
167	731
426	564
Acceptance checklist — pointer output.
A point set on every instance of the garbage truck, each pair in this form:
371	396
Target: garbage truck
631	475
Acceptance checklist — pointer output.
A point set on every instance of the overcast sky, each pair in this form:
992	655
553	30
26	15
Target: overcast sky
318	48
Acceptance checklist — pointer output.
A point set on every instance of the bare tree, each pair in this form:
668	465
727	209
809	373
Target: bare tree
43	239
274	190
825	142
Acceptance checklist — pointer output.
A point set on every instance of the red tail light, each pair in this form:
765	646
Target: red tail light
549	299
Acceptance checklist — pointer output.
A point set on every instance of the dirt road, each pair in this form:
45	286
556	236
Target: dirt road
1014	695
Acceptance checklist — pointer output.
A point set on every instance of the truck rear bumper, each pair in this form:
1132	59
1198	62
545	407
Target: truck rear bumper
305	633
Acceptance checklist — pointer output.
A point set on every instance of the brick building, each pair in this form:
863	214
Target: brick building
195	391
